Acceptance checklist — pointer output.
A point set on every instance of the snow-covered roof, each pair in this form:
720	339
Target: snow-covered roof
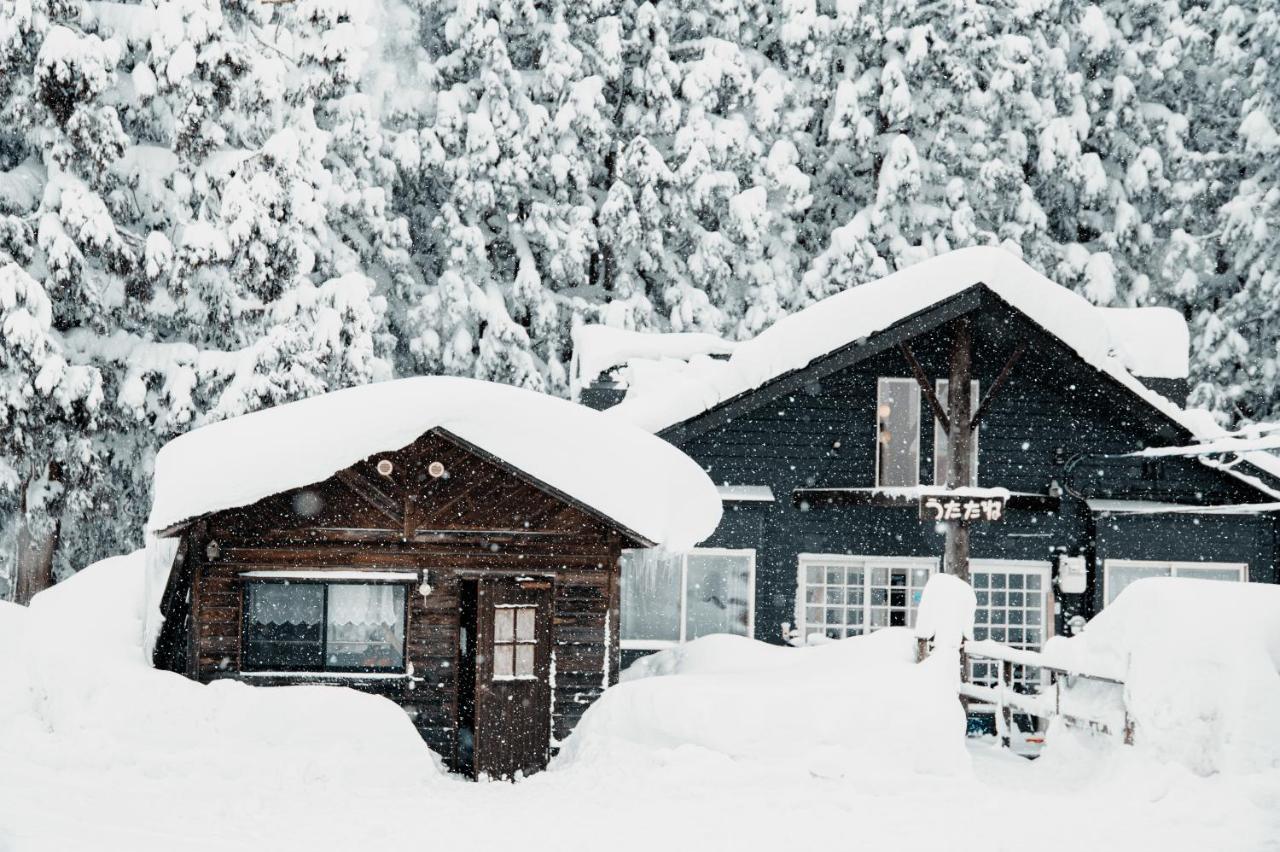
597	348
625	474
1150	342
1122	343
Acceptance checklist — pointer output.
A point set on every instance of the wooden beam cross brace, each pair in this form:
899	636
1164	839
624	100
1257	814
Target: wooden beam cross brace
998	383
929	393
376	497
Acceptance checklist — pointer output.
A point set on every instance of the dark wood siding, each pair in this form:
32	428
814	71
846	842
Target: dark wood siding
480	520
1052	423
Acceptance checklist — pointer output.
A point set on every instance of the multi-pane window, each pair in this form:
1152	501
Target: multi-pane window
316	626
897	433
673	597
514	642
941	456
847	596
1013	609
1120	573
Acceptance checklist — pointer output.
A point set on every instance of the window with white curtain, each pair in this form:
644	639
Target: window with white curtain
312	626
1120	573
669	598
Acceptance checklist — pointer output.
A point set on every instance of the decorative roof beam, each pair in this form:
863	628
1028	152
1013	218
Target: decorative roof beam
929	393
998	383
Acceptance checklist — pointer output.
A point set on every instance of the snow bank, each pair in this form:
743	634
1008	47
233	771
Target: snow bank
641	482
77	693
857	707
1201	666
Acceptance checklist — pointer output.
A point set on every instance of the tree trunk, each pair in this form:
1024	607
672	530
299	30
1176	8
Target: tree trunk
959	444
33	563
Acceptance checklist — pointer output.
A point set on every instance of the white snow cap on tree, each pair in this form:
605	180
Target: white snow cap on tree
625	474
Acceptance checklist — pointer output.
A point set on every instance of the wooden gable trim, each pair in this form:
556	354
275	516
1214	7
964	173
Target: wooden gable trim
636	539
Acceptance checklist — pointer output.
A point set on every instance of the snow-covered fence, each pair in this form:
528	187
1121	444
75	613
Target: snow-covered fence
1106	714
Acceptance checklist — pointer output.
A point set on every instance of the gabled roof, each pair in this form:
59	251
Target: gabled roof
925	295
625	475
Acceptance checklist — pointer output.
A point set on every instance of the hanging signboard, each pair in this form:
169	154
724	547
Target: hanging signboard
959	507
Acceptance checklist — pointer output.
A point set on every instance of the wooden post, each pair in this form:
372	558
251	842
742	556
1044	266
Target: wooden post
1006	713
959	444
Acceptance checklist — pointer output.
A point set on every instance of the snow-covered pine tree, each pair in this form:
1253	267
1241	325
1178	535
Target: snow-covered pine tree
211	212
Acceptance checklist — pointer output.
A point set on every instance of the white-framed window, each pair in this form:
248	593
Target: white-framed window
841	596
1117	574
1015	608
668	598
940	440
897	433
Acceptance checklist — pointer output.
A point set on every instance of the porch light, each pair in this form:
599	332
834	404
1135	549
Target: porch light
385	467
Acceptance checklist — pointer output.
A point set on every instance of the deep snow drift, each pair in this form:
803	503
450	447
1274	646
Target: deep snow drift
1200	661
725	743
76	687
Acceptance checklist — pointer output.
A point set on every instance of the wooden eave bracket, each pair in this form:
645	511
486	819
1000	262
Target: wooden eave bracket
927	389
375	496
998	383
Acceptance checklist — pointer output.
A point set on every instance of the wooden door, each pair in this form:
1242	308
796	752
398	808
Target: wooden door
513	665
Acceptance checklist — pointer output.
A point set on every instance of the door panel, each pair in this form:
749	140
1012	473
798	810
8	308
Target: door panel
513	662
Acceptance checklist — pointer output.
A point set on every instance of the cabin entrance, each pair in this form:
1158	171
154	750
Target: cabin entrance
507	710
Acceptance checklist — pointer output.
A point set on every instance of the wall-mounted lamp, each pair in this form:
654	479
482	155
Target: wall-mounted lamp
212	550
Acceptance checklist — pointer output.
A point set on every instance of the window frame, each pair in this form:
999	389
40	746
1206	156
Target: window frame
325	669
941	387
847	560
1048	616
662	644
881	382
1242	568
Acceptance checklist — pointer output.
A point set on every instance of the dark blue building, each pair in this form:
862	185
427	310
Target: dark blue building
823	439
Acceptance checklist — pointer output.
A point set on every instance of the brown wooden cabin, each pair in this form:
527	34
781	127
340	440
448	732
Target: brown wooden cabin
480	599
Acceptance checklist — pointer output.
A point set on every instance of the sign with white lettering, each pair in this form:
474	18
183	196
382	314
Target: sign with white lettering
961	508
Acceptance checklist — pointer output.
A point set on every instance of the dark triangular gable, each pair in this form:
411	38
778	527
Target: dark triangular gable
976	299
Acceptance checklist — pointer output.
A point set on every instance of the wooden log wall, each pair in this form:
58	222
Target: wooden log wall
585	615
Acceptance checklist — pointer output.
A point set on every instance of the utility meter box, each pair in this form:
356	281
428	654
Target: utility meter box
1073	575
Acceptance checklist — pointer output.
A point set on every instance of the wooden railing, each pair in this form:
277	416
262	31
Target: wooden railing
1044	705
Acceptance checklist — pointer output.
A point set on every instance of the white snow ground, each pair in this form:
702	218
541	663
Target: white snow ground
98	752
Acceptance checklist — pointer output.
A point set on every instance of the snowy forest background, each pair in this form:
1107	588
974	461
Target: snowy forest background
207	208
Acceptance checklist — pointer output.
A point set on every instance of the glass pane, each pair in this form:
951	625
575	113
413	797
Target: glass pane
898	427
524	660
814	574
835	576
502	661
717	594
650	595
504	619
285	630
1230	574
366	627
1119	577
524	624
835	595
940	442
